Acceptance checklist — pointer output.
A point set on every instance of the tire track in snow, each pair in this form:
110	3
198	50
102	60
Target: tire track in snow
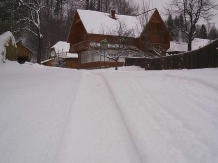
79	77
158	129
95	130
123	119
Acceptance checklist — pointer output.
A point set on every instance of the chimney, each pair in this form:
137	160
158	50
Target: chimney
113	14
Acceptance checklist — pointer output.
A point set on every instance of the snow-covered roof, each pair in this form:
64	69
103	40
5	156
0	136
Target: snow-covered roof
61	45
183	47
47	60
69	55
177	47
4	42
101	23
63	55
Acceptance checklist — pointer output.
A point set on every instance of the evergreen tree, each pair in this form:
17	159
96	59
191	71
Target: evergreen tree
170	26
7	15
177	22
203	32
59	8
213	34
198	31
181	21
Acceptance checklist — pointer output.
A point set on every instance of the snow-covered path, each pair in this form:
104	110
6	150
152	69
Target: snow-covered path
172	115
65	116
96	130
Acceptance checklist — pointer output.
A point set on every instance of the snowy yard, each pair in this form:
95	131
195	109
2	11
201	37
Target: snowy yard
54	115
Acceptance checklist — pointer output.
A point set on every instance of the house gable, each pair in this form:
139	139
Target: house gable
156	32
156	19
77	32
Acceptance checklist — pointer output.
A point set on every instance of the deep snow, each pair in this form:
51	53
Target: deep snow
56	115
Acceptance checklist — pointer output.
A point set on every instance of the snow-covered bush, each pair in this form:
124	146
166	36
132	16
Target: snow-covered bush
59	62
7	47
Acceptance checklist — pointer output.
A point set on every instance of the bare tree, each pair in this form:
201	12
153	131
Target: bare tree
32	17
120	44
192	10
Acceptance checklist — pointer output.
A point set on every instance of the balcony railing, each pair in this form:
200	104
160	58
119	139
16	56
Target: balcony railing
81	46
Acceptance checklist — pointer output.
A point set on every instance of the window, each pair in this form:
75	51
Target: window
83	58
92	57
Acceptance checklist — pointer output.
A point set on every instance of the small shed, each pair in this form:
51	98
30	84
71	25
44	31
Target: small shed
71	60
177	48
58	48
23	53
61	49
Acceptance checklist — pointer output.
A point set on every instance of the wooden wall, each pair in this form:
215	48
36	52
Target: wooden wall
22	51
96	65
71	63
11	51
48	63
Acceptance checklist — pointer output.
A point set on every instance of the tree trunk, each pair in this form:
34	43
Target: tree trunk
106	6
39	48
189	45
87	5
116	67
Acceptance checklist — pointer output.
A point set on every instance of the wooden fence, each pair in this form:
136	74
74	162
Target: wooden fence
204	57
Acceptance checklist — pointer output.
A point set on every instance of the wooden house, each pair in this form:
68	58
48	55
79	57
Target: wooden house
61	49
23	53
91	27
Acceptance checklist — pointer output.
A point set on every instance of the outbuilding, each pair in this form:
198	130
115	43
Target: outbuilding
23	53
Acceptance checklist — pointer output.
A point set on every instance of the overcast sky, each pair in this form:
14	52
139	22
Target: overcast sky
159	5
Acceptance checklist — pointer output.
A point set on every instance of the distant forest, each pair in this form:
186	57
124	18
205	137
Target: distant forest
208	31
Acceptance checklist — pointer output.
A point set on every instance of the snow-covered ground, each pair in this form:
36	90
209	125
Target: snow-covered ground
56	115
197	43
